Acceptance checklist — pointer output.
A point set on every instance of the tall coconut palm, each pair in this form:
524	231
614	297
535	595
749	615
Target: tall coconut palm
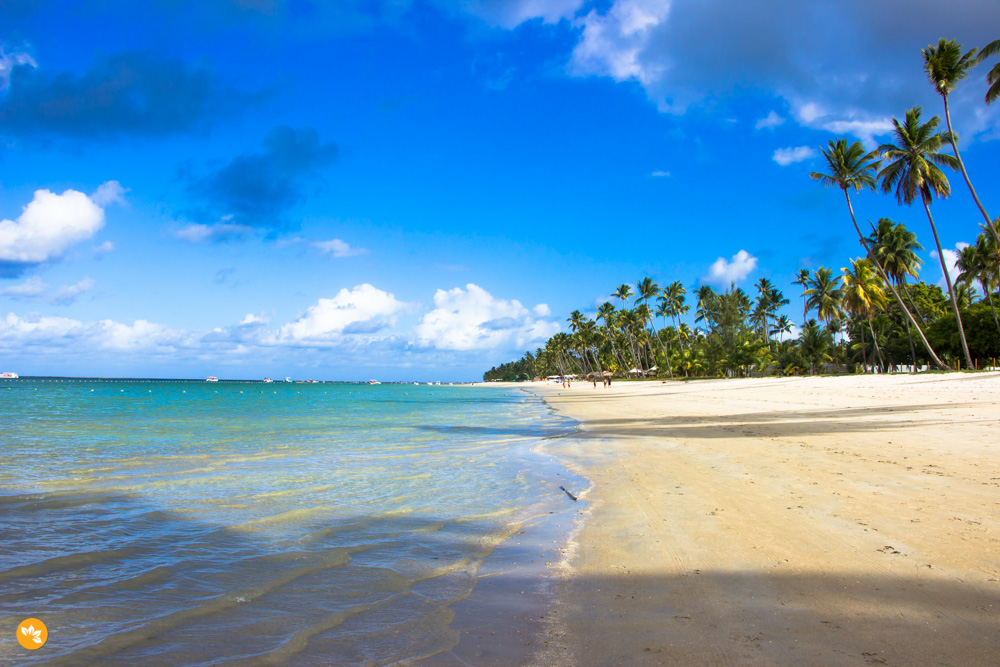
946	65
606	312
913	170
993	76
824	294
852	168
864	295
646	289
802	280
895	247
974	265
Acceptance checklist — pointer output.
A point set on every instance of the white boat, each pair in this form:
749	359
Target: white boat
8	375
374	382
288	379
211	378
268	380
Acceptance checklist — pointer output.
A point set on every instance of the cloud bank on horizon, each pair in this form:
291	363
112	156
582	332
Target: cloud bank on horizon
294	183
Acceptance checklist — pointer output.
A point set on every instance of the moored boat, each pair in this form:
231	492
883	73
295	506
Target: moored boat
211	378
9	375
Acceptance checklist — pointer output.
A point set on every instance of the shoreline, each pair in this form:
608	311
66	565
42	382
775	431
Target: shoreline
835	520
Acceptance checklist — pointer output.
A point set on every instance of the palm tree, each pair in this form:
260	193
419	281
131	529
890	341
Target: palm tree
993	77
913	170
646	289
974	264
895	247
606	312
814	342
824	294
803	281
851	168
864	296
946	66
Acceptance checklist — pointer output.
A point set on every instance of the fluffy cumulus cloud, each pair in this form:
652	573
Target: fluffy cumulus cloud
844	66
735	270
258	189
786	156
612	44
472	319
362	310
123	94
45	333
337	248
950	261
50	224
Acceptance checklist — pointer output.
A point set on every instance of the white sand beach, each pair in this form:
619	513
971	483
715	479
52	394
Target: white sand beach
836	521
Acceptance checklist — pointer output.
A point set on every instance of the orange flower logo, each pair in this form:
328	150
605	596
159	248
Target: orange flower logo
32	634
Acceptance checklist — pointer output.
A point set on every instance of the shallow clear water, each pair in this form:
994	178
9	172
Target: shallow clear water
153	522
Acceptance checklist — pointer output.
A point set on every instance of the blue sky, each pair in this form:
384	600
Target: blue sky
422	189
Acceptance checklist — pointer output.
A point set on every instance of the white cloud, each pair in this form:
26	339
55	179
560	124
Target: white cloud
35	290
220	231
338	248
9	61
252	319
365	309
31	288
104	248
67	294
786	156
610	44
472	319
660	174
110	192
738	268
951	261
49	225
512	13
865	130
542	310
75	336
769	121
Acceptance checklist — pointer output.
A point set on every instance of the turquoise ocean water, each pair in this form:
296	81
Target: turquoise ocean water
185	522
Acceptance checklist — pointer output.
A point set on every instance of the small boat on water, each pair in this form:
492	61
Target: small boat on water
8	375
374	382
268	380
211	378
288	379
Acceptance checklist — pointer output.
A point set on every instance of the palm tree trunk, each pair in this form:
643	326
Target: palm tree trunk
951	289
961	165
885	277
864	350
992	308
909	339
909	297
881	361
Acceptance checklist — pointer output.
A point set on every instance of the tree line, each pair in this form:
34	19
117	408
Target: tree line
867	317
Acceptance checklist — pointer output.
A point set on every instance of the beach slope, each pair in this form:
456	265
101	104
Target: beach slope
837	521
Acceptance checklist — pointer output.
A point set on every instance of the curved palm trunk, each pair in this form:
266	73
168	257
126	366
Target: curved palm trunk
909	339
961	165
881	361
878	265
951	289
864	350
989	297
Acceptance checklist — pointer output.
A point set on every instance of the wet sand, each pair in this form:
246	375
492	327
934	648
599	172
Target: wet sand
835	521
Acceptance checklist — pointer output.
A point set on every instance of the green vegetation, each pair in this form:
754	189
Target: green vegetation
867	317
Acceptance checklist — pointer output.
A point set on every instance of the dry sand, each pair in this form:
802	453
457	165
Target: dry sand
808	521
